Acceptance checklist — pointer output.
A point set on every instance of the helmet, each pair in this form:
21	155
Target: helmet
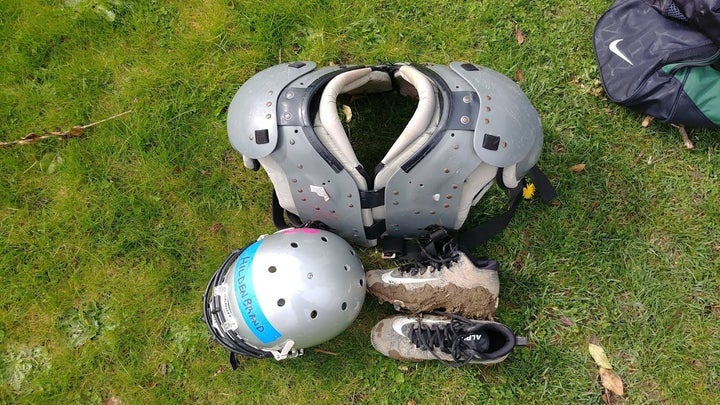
290	290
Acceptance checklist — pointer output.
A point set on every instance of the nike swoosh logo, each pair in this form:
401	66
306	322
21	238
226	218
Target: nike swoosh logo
614	49
390	279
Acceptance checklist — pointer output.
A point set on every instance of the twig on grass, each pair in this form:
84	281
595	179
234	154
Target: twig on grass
74	132
686	139
681	128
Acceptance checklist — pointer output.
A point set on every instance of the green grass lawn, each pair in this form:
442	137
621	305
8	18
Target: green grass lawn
108	240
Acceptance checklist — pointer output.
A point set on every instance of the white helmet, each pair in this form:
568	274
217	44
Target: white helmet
290	290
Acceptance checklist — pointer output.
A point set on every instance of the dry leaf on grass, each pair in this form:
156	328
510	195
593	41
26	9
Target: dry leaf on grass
519	36
577	168
112	401
566	321
347	111
599	356
646	122
611	381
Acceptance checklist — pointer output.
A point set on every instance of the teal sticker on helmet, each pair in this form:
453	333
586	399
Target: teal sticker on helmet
247	300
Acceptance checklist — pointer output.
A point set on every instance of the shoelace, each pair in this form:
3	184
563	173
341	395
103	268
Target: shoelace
447	256
448	338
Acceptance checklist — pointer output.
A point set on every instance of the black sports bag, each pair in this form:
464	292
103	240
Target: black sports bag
662	58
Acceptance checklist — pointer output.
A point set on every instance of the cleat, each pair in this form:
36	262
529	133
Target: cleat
451	339
453	281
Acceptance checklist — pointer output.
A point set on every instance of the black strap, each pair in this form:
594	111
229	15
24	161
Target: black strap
483	232
542	184
372	198
375	230
397	247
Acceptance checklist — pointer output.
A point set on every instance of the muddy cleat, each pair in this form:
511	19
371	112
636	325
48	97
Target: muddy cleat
454	281
452	339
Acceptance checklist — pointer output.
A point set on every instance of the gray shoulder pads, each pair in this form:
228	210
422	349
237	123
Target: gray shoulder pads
471	125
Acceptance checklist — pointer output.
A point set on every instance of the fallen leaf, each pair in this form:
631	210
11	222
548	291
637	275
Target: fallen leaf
566	321
577	168
112	401
77	130
519	76
598	354
611	381
348	113
519	36
646	122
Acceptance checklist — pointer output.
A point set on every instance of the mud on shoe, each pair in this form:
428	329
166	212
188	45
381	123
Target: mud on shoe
453	281
449	338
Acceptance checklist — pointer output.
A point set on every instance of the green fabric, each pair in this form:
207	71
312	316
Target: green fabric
703	88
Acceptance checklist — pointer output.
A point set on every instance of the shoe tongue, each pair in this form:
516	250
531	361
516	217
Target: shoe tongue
477	341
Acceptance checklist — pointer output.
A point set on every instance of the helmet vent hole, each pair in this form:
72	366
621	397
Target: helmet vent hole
281	302
272	269
324	239
352	252
295	245
313	314
361	282
347	267
343	306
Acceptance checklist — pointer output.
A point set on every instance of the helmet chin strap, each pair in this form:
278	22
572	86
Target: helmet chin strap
287	352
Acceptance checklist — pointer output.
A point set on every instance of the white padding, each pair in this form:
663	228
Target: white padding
421	126
280	182
510	176
423	115
336	140
482	178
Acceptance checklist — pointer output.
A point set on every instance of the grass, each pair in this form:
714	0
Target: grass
107	241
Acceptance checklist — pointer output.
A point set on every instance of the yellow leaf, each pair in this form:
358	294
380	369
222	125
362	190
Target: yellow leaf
577	168
611	381
598	354
348	113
